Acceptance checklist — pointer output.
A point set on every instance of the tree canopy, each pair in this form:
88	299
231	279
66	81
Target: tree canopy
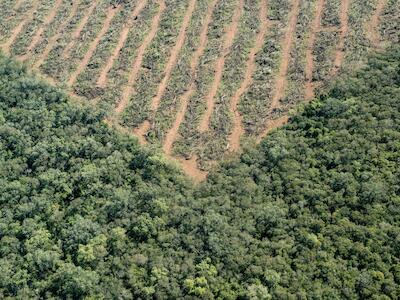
310	213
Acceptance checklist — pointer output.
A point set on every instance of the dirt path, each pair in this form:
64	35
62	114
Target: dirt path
128	90
373	24
77	32
237	131
173	132
111	12
53	40
102	81
39	34
17	30
339	55
219	65
309	88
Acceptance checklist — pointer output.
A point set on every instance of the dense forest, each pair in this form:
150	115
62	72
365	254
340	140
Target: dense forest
313	212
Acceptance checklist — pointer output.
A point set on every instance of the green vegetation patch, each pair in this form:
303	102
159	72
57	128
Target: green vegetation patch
312	212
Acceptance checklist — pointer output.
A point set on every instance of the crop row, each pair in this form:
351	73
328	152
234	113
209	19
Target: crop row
51	30
60	64
357	42
389	27
86	83
154	62
255	104
117	79
327	41
215	142
25	37
296	76
331	14
180	79
11	16
189	135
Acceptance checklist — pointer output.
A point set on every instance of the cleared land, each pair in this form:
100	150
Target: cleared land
195	77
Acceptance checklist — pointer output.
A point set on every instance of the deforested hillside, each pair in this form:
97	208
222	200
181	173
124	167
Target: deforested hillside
310	213
195	77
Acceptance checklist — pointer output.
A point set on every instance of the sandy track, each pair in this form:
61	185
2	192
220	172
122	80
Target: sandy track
339	55
219	66
17	30
77	32
39	34
373	24
173	132
309	87
111	12
53	40
237	131
102	81
128	90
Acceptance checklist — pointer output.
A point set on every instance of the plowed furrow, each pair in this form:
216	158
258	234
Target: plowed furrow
102	81
219	66
344	27
77	32
17	30
173	132
112	11
39	34
128	90
53	40
309	92
237	131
